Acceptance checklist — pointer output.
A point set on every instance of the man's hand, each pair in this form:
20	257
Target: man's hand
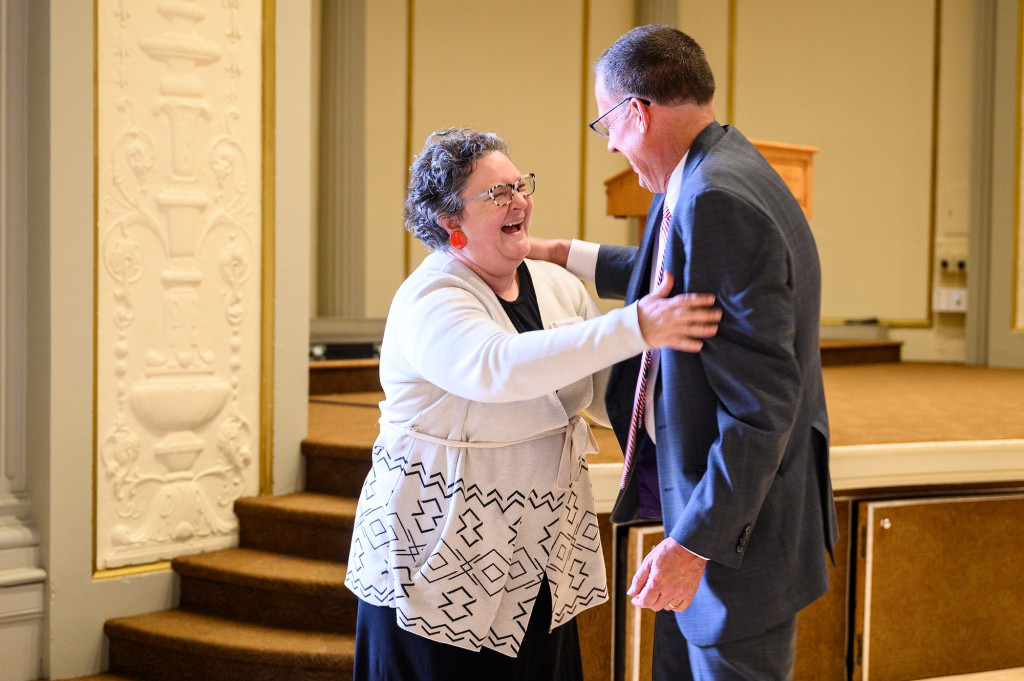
679	322
552	250
668	578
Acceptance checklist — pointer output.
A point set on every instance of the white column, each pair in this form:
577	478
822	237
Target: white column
21	578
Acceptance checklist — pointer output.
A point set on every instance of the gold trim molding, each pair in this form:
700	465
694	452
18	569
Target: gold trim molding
1017	277
268	291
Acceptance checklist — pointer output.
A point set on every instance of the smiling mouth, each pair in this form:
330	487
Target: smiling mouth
513	228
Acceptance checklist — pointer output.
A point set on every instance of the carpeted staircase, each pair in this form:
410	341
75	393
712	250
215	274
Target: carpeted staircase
275	607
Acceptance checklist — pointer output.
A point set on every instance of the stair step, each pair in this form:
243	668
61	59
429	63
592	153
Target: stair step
335	469
337	451
311	508
344	375
175	645
264	570
272	589
350	419
307	524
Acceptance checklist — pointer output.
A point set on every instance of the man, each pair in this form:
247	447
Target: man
731	446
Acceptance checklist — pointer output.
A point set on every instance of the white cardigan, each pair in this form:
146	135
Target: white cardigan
479	484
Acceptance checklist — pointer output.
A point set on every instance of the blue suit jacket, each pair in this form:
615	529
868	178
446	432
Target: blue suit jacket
742	431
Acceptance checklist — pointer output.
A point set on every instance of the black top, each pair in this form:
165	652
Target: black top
524	310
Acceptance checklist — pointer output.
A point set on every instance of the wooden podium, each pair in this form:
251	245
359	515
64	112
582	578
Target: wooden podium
795	163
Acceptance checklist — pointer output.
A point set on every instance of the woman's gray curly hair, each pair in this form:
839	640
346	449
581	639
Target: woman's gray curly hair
438	175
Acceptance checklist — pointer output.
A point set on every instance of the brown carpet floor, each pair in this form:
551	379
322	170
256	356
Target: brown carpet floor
868	404
921	402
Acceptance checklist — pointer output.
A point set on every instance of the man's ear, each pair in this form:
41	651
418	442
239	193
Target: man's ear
642	114
447	222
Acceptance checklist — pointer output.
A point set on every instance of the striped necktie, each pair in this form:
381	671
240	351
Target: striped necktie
640	399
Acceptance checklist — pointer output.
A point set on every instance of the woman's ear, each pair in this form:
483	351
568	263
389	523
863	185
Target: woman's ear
447	222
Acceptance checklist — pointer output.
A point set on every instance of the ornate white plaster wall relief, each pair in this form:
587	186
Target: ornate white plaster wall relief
178	119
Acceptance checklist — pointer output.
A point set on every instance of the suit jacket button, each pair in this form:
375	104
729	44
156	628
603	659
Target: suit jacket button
741	546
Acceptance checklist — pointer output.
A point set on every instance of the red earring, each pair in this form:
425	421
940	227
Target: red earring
457	239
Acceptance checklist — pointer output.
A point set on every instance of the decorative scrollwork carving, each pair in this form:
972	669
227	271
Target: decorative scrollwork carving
178	232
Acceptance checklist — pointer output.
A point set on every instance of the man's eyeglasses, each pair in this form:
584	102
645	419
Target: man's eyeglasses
502	194
600	128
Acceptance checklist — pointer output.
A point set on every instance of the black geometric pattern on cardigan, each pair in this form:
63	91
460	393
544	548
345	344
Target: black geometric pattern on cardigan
456	559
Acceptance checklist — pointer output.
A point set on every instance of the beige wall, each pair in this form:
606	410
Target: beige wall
525	79
1006	208
863	95
857	80
519	77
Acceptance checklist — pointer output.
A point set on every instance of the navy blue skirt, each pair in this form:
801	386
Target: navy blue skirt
386	652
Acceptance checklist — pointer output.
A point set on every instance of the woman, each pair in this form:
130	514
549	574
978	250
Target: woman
476	539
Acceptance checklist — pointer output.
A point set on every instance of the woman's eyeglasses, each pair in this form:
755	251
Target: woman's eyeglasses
502	194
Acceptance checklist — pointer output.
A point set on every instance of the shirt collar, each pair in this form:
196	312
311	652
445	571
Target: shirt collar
675	182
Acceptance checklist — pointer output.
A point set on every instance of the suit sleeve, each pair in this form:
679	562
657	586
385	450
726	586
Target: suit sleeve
750	366
614	267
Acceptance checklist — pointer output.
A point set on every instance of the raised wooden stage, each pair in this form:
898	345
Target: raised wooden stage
928	468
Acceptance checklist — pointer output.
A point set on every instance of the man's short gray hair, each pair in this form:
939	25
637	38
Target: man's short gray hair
658	63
